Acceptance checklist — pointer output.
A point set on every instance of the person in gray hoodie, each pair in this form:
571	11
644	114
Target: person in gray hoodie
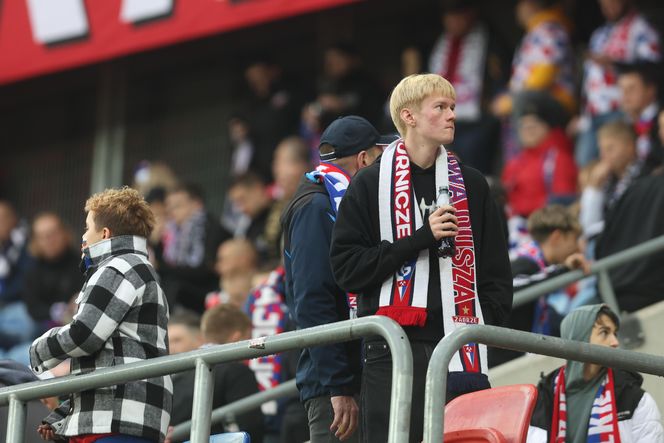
580	402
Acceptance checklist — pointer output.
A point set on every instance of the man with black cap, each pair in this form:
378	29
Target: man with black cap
327	376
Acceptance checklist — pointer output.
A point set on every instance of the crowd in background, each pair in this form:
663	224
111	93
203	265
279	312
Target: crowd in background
578	176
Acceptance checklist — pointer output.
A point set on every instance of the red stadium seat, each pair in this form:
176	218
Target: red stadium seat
482	435
494	415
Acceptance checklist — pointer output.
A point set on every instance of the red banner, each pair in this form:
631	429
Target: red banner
43	36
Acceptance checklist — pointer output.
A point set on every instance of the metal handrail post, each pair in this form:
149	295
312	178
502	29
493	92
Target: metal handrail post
402	365
181	431
202	404
16	415
436	379
606	292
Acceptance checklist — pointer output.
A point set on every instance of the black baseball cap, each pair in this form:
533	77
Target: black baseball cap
348	136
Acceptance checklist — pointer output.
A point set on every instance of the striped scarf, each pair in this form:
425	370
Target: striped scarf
336	182
403	296
603	423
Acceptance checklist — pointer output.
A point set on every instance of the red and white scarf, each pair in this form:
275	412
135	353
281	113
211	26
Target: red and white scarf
603	423
403	296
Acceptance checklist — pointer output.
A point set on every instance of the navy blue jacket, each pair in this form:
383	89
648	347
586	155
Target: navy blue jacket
313	296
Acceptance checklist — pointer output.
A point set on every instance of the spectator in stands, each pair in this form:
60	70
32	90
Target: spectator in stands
378	241
191	238
16	326
54	279
234	290
249	195
639	92
344	89
475	65
156	198
583	401
553	251
232	381
266	307
271	114
151	175
328	377
543	63
291	162
122	317
184	331
236	255
626	37
544	171
608	180
636	218
237	266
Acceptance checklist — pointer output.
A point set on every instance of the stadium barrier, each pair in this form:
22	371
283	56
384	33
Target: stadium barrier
436	379
600	268
228	413
203	360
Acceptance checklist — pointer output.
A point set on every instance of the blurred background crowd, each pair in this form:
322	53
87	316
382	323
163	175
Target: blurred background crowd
558	104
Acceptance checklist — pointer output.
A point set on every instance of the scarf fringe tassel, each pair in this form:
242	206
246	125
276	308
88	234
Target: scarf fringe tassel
405	315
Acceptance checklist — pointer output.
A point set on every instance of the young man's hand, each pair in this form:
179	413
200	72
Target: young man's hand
578	261
345	416
599	175
443	222
46	432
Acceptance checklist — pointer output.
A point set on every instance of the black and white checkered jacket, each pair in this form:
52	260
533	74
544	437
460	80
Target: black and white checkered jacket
122	318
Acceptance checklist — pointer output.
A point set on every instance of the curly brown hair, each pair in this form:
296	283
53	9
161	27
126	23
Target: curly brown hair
123	211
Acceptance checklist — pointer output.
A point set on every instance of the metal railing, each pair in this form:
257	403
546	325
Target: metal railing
600	267
229	412
436	379
203	360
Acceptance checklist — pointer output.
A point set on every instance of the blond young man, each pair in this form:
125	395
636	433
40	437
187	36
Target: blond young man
385	247
122	318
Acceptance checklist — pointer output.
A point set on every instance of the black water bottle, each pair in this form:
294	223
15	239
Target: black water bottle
447	247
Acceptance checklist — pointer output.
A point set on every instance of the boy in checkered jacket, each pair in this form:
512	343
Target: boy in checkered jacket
122	318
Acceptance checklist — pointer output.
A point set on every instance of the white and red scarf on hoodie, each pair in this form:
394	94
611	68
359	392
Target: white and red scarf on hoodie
603	423
403	296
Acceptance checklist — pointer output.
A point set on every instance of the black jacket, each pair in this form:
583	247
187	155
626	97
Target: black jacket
313	297
636	218
361	261
48	282
232	382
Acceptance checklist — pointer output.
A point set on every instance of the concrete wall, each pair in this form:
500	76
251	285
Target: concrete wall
527	369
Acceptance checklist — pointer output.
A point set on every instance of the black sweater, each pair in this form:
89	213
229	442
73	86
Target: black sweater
637	217
361	261
232	382
49	282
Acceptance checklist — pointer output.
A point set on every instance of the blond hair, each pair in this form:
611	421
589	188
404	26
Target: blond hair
219	323
617	128
410	92
123	211
544	221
